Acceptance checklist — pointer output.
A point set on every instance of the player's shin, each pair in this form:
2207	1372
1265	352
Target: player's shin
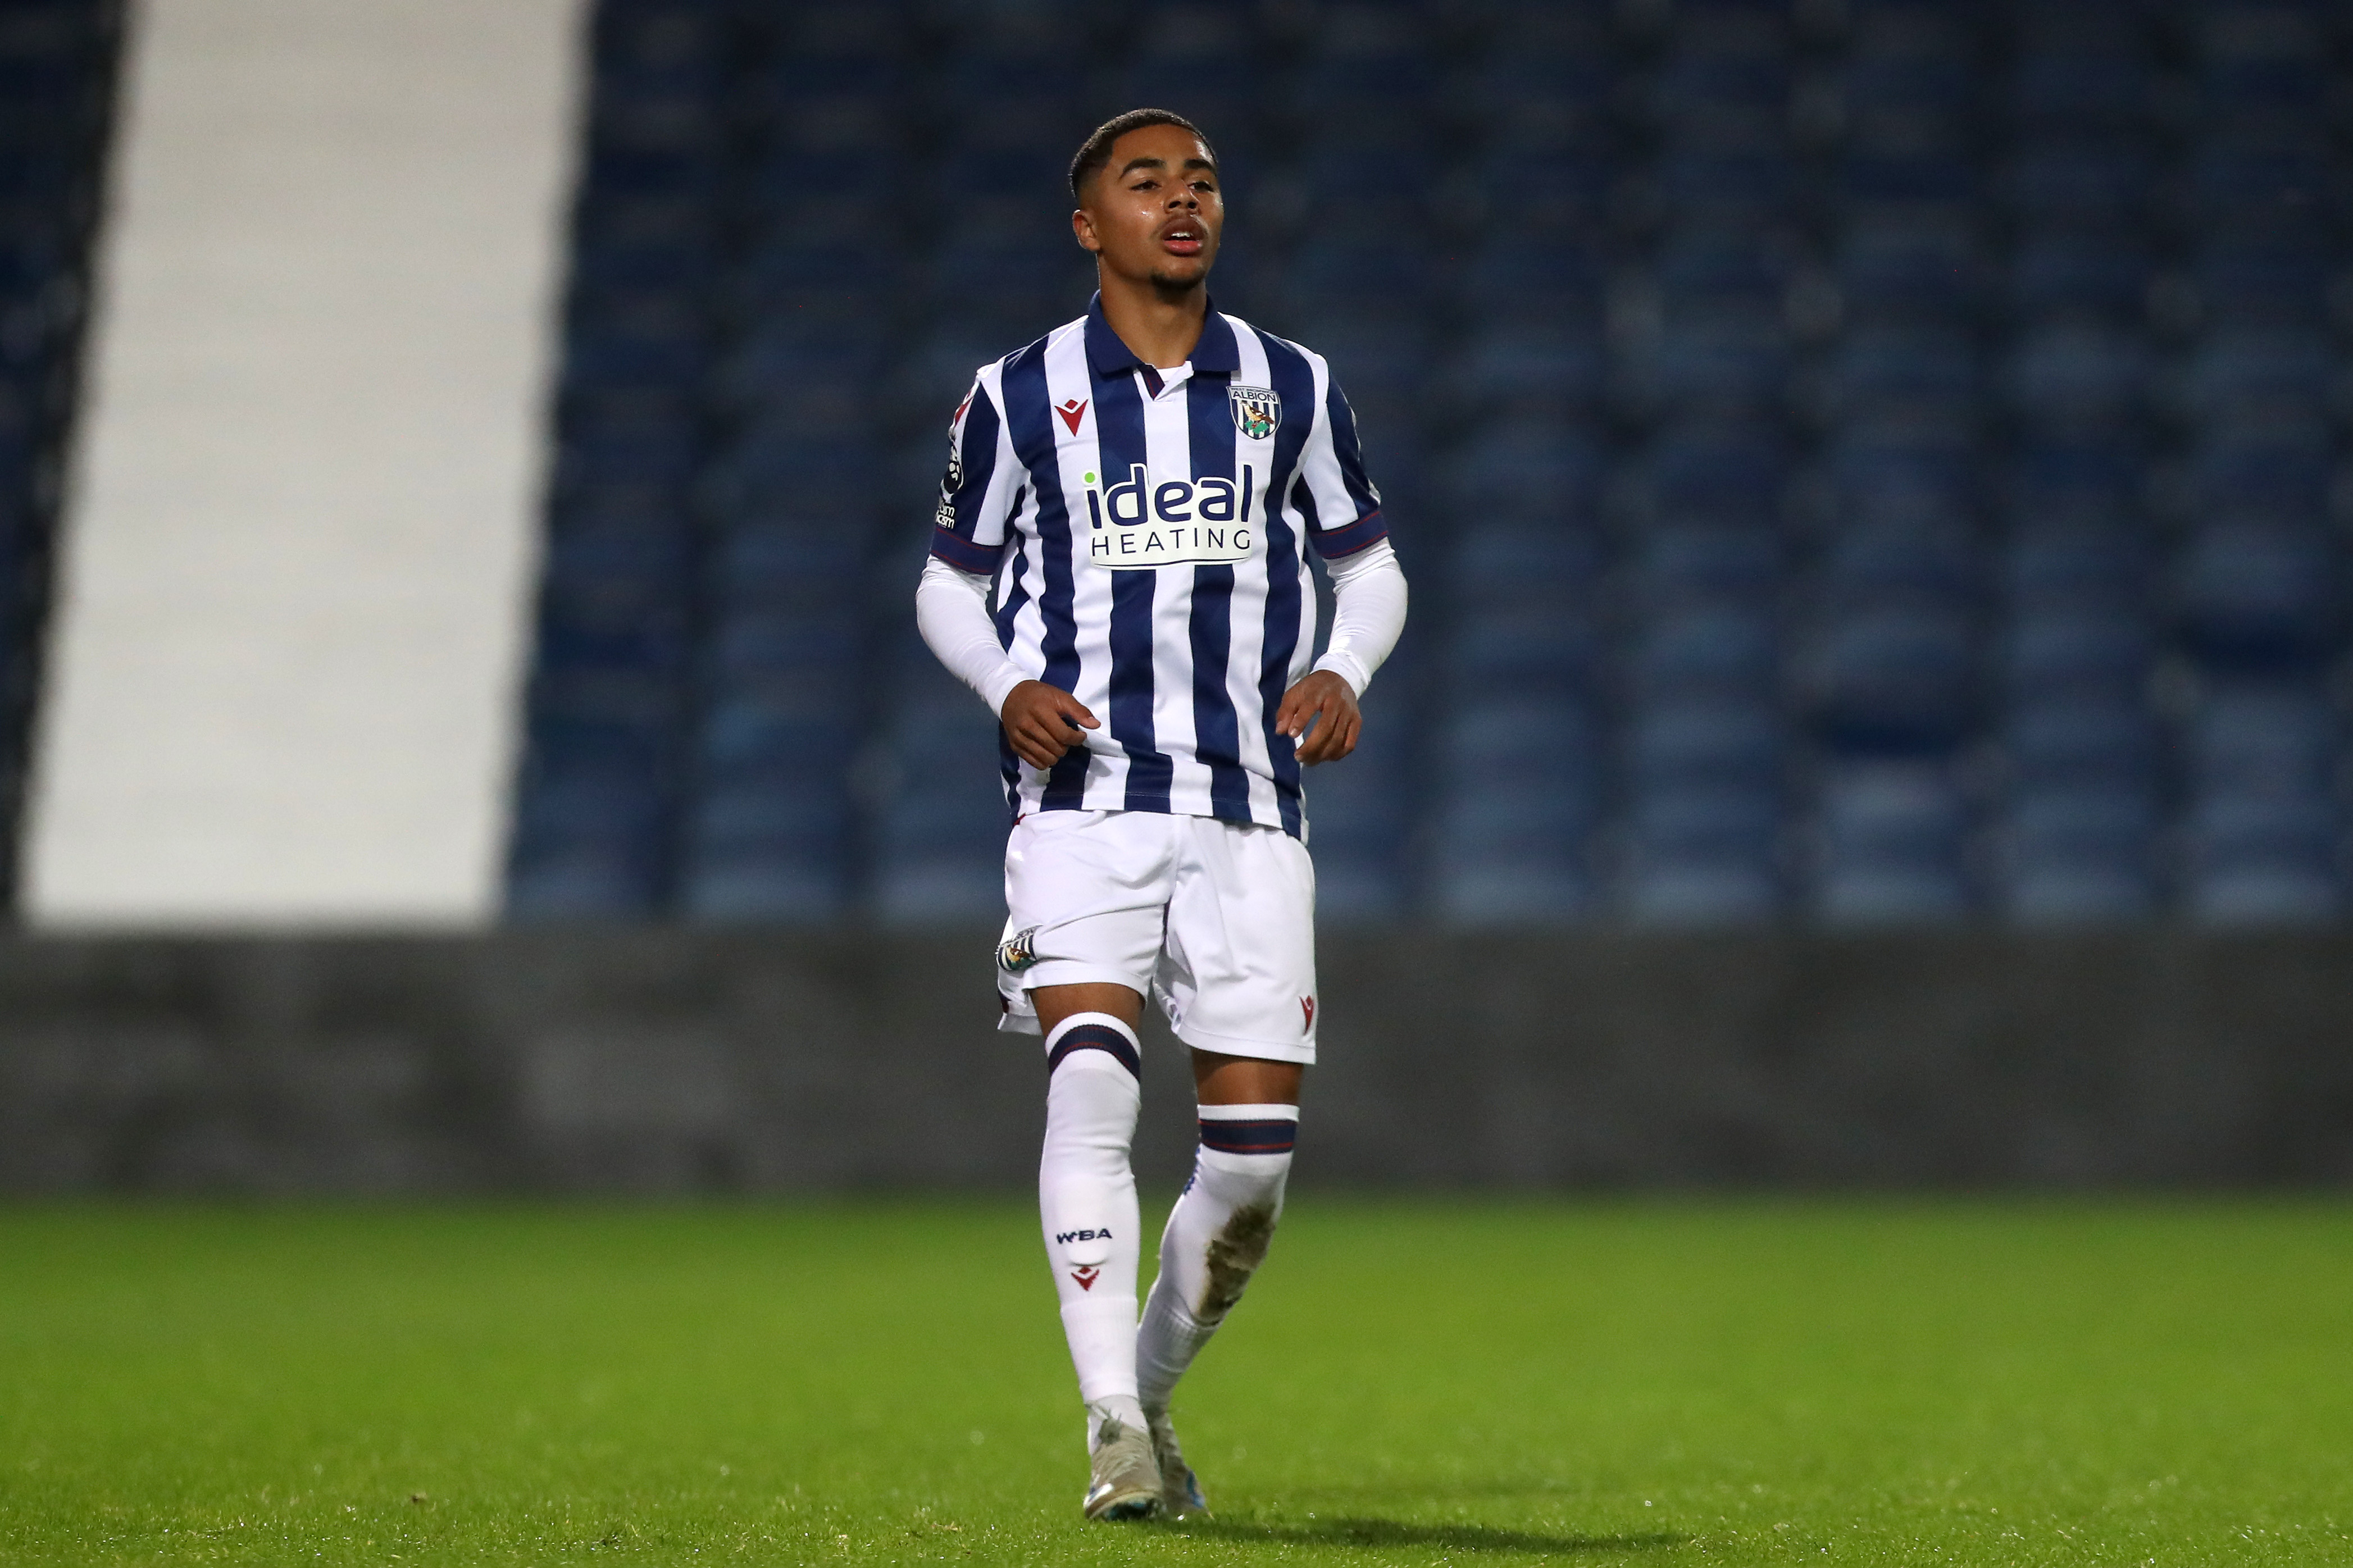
1086	1198
1216	1236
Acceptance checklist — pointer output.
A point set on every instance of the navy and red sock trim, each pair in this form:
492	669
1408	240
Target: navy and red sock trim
1095	1036
1249	1137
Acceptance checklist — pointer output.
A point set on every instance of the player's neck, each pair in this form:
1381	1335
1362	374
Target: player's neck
1159	326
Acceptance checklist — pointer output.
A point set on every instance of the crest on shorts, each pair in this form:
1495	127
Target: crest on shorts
1257	410
1019	951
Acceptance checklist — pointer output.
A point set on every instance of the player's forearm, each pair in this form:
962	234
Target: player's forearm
952	612
1368	598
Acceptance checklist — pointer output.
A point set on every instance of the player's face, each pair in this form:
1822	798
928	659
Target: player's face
1155	214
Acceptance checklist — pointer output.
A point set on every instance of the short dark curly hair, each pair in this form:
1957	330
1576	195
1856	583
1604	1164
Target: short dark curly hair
1094	153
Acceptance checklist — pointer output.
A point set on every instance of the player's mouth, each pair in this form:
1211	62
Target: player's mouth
1184	238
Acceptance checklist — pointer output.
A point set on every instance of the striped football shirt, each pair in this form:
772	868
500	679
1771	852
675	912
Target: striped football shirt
1147	529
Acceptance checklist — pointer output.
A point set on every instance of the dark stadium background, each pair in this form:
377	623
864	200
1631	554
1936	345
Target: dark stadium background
1873	481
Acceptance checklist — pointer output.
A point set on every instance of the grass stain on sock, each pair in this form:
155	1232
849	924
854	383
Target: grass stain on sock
1235	1253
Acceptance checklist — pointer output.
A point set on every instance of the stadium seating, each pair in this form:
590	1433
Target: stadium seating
56	87
1874	463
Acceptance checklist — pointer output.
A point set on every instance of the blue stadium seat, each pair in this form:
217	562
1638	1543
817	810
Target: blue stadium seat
1533	277
2260	860
802	481
2275	741
2069	503
1722	359
2073	651
1893	844
1528	367
651	340
1718	740
2083	68
2263	280
2065	565
2107	739
2082	273
2078	855
940	837
2079	372
1928	268
1360	821
1925	558
1675	558
1906	175
1530	646
2254	596
1895	683
1559	193
770	831
659	243
1728	183
1532	93
1704	854
586	850
638	443
1730	473
2276	473
1709	647
1510	856
1536	473
1906	369
1722	267
2083	181
1906	469
1518	802
2239	371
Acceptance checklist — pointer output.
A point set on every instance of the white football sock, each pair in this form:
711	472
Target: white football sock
1216	1234
1086	1198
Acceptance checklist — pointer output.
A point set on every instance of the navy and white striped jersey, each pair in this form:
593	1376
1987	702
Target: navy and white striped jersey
1146	530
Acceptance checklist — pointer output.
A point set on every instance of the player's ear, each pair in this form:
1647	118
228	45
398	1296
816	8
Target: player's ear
1084	228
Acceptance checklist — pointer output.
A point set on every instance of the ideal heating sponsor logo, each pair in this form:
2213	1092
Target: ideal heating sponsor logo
1146	522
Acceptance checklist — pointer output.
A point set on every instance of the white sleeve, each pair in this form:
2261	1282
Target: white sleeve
952	612
1367	612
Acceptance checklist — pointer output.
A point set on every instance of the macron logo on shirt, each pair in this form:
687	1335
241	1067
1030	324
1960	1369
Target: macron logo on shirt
1072	410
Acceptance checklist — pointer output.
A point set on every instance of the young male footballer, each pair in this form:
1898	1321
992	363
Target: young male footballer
1120	570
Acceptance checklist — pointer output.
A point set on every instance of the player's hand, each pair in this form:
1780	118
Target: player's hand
1323	701
1042	721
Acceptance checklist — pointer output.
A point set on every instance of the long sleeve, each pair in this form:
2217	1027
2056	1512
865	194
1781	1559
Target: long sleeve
952	612
1368	598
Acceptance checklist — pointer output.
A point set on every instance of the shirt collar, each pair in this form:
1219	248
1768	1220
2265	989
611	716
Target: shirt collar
1106	355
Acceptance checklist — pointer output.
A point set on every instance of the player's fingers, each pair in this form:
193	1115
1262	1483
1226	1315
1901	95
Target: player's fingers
1035	745
1076	711
1343	742
1287	716
1342	721
1319	740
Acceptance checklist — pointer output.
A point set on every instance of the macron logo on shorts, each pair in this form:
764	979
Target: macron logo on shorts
1307	1006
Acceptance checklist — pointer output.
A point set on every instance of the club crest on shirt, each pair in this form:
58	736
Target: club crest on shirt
1257	410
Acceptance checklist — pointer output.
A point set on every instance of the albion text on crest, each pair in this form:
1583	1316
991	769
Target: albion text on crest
1257	410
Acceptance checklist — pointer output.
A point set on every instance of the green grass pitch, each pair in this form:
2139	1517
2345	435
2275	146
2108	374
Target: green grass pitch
1822	1381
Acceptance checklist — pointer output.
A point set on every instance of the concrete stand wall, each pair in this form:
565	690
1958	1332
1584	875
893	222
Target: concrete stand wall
670	1061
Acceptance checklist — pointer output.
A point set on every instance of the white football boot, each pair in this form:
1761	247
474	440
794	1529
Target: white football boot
1180	1489
1123	1482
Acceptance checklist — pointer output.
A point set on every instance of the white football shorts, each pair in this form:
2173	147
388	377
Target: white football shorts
1214	920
